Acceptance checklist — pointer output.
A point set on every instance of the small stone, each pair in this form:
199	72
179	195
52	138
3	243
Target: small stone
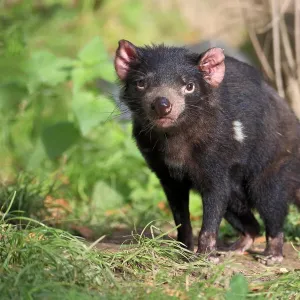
283	270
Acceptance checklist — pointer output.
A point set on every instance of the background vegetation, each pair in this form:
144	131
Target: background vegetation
69	165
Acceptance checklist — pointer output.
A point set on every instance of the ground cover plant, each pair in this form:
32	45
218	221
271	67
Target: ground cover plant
81	215
40	262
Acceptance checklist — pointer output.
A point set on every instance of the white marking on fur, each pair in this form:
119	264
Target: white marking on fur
238	131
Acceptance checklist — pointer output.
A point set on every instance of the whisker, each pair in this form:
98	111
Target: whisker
155	144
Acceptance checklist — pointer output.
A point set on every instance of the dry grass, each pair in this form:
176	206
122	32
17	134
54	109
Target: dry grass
274	29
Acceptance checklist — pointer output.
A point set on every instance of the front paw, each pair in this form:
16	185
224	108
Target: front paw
269	260
206	243
207	246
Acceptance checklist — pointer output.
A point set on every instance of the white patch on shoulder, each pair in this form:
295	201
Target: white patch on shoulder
238	131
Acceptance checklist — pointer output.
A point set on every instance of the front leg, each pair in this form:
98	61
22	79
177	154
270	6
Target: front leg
177	193
215	203
176	188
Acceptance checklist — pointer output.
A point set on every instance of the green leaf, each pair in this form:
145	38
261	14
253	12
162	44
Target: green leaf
45	68
94	62
91	111
107	71
37	156
104	197
84	74
94	52
238	288
58	138
13	69
79	78
11	95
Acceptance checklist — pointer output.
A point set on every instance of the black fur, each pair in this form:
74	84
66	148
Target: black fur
261	172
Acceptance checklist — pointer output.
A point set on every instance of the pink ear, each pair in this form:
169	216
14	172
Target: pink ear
125	53
212	65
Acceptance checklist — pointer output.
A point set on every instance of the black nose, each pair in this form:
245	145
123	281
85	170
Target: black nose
162	106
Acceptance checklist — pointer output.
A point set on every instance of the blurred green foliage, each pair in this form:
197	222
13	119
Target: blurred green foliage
55	123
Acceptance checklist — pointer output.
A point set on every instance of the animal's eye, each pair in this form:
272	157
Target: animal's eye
141	84
190	87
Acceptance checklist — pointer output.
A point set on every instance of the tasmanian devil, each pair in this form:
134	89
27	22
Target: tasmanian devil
211	123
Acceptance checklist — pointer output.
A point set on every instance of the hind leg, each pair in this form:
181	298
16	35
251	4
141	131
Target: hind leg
273	252
273	207
248	227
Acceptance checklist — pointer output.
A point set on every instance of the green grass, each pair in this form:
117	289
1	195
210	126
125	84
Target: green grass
40	262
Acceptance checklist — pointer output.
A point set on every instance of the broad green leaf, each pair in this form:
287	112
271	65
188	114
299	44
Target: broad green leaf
13	69
79	78
45	68
104	197
107	71
94	52
93	63
11	95
36	157
58	138
238	288
84	74
91	111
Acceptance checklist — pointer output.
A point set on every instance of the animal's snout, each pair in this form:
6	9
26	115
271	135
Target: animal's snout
162	106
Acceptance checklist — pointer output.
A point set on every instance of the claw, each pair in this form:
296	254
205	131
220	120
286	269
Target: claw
269	260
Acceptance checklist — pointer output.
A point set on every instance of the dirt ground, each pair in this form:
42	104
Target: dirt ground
246	263
249	265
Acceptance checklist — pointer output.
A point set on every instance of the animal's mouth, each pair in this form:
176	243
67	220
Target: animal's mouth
164	122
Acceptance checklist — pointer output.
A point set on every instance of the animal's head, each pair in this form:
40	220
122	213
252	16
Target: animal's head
165	86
